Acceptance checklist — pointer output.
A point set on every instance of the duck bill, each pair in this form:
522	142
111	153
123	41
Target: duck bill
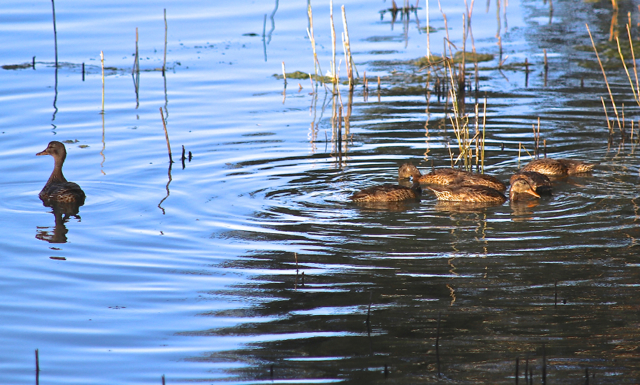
42	153
535	194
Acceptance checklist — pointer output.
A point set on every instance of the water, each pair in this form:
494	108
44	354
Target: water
196	273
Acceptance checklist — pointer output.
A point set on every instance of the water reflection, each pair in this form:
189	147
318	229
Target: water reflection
62	212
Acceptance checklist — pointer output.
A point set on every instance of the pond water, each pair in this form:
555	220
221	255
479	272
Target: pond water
247	263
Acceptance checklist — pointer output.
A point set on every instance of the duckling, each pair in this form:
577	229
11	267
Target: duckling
57	189
558	167
540	183
468	193
449	176
388	193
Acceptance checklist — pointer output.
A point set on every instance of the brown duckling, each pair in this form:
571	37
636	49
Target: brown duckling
540	183
449	176
558	167
468	193
57	189
388	193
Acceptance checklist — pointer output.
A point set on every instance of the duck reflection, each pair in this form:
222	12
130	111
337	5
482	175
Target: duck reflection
62	212
387	206
462	207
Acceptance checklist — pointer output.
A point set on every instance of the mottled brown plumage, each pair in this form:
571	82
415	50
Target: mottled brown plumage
388	193
468	193
540	183
449	176
519	187
558	167
58	189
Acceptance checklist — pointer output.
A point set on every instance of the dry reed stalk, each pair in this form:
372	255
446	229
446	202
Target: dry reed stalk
316	63
135	59
166	135
428	34
633	89
284	75
347	48
102	64
607	116
615	109
633	55
333	45
519	149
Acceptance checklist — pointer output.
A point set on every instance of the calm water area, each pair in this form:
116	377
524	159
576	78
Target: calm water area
248	263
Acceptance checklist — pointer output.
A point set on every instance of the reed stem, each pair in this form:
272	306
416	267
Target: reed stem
166	135
102	64
615	110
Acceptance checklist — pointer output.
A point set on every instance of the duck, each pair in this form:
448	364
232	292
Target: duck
519	187
58	190
558	167
388	193
468	193
449	176
539	183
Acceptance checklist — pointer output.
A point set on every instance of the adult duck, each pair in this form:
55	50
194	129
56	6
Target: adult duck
449	176
58	189
388	193
558	167
468	193
525	180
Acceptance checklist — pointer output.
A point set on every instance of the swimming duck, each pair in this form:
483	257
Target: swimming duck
388	193
519	187
468	193
540	183
558	167
57	189
449	176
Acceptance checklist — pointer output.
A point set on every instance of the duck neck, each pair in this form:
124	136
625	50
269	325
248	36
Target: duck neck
56	174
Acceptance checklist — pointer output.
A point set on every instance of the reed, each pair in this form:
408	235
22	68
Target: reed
604	74
347	50
136	63
334	75
316	63
604	107
102	64
166	135
284	75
